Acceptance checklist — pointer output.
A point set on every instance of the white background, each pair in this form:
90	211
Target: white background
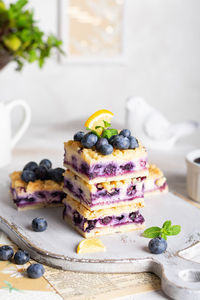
163	65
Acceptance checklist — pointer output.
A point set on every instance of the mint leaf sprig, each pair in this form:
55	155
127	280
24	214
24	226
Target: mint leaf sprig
166	230
106	132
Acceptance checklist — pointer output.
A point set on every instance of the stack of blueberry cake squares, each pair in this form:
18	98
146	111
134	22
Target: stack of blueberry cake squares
104	183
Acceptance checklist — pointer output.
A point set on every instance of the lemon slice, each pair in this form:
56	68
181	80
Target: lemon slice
90	245
97	119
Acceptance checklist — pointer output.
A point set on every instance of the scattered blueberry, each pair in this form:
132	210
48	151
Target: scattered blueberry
157	245
121	142
28	175
39	224
78	136
133	142
46	163
106	149
35	271
56	174
31	166
41	173
101	142
6	252
89	140
21	257
125	132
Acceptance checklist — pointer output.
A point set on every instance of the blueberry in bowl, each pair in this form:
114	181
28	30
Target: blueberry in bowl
39	224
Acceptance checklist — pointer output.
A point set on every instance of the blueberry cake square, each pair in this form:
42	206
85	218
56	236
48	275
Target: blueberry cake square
103	221
37	186
104	194
94	167
156	182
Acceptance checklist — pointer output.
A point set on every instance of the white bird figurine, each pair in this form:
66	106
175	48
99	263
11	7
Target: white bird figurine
152	128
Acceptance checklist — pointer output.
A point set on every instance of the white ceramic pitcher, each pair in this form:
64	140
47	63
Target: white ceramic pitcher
7	140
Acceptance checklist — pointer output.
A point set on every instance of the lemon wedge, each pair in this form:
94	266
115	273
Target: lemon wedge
97	119
90	245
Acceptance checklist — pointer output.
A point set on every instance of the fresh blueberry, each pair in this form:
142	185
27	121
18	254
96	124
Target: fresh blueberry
35	271
78	136
106	149
39	224
28	175
41	173
121	142
56	174
133	142
89	140
125	132
112	139
31	166
101	142
157	245
21	257
46	163
6	252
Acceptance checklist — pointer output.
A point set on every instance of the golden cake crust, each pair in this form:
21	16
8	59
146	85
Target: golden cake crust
91	156
154	172
115	210
30	187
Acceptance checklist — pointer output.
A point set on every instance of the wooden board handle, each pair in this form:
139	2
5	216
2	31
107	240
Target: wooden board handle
180	278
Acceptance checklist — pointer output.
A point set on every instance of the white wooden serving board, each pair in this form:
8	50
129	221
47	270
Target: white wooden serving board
127	252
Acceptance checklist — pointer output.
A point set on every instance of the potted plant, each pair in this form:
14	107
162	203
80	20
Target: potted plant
21	39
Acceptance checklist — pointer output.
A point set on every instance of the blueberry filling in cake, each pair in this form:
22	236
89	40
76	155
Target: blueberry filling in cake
48	197
88	225
105	194
102	221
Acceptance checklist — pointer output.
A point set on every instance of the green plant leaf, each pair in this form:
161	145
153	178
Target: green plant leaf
152	232
163	236
106	124
107	133
167	225
174	230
